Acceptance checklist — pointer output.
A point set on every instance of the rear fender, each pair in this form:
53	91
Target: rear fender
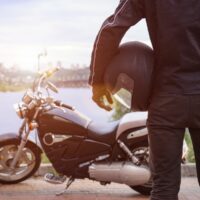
7	137
131	121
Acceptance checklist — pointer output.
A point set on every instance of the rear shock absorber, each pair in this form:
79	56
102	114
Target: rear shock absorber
128	152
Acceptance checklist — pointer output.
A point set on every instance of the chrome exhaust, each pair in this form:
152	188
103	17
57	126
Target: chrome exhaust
118	172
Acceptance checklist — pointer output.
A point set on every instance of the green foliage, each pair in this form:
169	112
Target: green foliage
190	156
12	88
45	159
119	110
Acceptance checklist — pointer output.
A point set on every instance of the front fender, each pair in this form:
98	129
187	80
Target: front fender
6	137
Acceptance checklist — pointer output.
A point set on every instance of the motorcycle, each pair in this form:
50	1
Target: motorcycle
75	145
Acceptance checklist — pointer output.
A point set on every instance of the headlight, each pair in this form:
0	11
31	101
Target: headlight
21	109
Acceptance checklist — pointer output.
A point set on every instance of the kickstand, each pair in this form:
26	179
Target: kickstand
69	182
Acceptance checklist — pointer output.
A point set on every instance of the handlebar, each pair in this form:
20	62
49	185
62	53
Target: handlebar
61	104
50	72
44	75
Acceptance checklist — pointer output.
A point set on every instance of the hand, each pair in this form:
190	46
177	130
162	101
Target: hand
99	95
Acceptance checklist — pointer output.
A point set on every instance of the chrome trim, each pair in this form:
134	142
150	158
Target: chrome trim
120	172
102	157
20	109
138	133
60	138
61	118
47	134
28	97
55	138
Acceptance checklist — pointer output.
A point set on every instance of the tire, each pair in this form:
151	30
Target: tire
146	188
27	165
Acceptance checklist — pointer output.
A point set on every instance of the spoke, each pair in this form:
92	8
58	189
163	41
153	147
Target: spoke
4	166
20	169
5	171
27	157
6	152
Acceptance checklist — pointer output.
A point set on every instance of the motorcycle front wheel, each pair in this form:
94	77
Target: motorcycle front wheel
26	166
141	151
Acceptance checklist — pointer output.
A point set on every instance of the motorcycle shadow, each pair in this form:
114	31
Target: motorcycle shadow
37	188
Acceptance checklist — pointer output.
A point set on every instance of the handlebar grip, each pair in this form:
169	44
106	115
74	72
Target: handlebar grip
52	71
60	103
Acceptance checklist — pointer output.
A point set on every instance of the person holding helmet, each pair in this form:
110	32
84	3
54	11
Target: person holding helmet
174	100
131	69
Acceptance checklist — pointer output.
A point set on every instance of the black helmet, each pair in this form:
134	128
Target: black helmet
132	69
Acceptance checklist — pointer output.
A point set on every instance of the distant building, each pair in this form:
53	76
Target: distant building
77	77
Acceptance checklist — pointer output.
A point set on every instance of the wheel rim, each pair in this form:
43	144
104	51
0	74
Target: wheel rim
23	167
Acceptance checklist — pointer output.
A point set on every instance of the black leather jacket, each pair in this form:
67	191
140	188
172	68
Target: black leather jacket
174	28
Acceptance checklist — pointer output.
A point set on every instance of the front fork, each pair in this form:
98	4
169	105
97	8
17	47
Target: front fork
24	138
24	132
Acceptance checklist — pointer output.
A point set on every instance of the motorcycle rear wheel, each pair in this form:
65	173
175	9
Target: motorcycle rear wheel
27	165
146	188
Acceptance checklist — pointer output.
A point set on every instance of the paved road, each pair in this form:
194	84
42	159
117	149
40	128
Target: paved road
37	189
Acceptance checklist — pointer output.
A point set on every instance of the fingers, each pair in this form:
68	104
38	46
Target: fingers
108	97
101	104
105	107
102	97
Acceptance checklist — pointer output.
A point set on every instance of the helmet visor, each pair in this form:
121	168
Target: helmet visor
124	97
123	90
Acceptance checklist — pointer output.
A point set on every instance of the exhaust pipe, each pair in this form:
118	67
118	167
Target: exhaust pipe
118	172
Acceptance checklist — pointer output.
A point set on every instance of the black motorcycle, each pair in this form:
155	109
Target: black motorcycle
75	145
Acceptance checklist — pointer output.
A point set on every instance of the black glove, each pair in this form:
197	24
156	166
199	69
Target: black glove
99	95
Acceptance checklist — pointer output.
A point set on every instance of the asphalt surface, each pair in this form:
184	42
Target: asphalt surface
38	189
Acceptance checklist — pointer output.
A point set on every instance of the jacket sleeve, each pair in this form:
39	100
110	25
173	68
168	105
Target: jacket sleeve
128	13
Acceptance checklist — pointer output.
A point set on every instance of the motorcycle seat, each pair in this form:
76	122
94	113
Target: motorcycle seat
103	132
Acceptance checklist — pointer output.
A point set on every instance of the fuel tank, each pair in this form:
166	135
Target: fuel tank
63	121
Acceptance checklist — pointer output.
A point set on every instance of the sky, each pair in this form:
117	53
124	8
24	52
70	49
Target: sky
65	29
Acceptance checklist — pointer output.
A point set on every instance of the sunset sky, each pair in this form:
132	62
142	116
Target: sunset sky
65	28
